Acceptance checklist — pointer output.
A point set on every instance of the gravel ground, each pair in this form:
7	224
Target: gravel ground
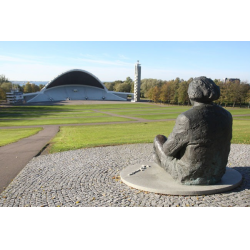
90	178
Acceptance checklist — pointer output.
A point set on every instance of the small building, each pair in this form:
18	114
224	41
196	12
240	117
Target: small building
14	96
232	80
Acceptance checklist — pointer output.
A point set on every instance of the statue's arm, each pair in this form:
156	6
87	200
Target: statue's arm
178	138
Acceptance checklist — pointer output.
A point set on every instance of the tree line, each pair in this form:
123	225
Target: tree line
175	91
6	86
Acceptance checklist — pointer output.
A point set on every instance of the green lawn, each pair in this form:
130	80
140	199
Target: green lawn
75	137
79	107
67	120
158	116
238	111
12	135
241	132
30	114
89	136
141	111
242	117
51	115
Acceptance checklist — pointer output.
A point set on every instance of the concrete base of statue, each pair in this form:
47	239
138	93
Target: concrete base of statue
152	178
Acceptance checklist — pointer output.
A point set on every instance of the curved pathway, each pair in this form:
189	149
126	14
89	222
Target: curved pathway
15	156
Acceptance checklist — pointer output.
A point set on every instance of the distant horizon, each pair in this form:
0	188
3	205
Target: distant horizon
124	79
25	81
34	81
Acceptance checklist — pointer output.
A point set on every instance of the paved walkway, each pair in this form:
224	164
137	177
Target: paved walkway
91	178
15	156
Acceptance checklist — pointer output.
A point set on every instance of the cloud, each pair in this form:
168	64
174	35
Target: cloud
123	57
32	71
103	62
23	58
118	61
4	58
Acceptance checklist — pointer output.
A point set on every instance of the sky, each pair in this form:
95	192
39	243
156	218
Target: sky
115	60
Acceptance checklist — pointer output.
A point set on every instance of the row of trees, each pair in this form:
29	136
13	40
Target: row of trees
6	86
172	92
175	91
234	93
31	87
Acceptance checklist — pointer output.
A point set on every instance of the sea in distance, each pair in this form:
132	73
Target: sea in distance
24	82
21	83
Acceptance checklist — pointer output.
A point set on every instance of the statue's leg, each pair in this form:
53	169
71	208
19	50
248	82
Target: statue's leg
166	162
158	148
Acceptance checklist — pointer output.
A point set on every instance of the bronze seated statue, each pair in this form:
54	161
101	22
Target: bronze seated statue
196	152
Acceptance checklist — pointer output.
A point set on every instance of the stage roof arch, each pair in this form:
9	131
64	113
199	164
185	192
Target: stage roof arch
75	77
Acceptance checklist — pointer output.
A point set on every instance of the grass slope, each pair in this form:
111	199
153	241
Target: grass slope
12	135
75	137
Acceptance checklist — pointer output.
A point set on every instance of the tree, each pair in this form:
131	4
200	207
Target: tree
2	94
225	93
129	80
173	94
147	84
165	93
244	91
27	88
123	87
3	79
116	84
6	86
131	83
132	89
34	88
248	98
154	94
110	85
176	85
183	93
235	92
41	86
217	81
220	84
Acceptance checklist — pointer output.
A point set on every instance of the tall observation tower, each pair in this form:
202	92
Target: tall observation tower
137	82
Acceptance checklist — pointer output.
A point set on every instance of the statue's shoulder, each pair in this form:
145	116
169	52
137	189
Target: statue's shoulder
184	117
223	110
187	115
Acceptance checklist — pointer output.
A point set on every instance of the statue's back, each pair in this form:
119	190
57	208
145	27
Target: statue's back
210	133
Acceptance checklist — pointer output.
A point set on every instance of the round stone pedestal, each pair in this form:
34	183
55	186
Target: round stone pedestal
151	177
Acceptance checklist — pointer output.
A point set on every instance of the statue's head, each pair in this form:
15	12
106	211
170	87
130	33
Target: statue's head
203	90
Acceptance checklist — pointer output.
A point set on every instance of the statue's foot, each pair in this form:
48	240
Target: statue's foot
160	139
